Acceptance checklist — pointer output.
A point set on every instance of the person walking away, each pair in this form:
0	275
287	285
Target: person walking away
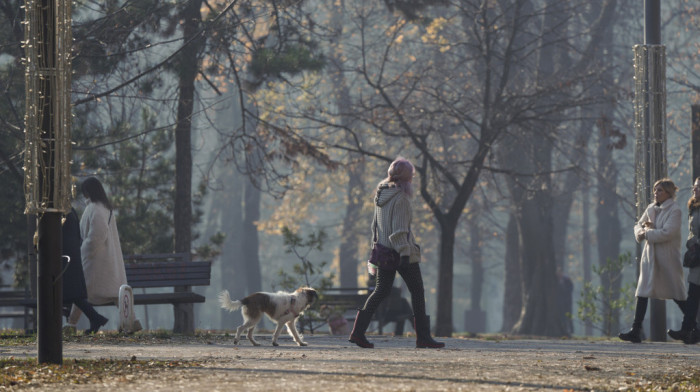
101	251
660	269
391	228
74	289
689	332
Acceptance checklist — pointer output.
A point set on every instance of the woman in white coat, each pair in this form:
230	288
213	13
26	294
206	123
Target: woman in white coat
660	269
689	332
101	251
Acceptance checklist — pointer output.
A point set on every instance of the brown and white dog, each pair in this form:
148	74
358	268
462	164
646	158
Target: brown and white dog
280	307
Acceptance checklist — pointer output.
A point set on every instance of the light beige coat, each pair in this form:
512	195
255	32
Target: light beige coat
103	263
661	269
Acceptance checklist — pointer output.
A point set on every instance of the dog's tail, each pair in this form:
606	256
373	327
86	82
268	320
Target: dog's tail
226	303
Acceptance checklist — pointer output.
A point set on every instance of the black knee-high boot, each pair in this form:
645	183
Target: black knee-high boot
357	335
423	339
634	335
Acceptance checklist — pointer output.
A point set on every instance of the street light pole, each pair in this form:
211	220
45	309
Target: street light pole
47	155
650	123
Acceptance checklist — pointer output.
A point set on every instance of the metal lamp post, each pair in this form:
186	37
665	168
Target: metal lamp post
47	183
650	124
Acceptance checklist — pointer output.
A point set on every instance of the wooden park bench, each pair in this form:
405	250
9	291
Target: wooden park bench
165	270
143	271
14	304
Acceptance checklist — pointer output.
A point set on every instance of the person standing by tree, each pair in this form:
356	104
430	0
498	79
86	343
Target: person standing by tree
689	332
391	228
660	269
101	251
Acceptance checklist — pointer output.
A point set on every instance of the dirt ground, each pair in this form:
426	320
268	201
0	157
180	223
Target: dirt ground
331	363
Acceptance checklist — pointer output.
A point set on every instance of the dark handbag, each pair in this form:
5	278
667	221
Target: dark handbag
384	257
691	259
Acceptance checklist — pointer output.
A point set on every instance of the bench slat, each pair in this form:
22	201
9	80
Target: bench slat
167	298
168	283
157	256
168	274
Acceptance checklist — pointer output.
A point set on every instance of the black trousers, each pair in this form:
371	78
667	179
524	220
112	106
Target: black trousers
385	281
86	307
641	310
691	307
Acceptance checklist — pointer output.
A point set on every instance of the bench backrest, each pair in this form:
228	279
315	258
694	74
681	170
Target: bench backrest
169	274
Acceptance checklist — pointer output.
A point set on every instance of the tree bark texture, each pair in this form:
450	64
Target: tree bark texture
250	243
444	325
513	292
233	267
187	72
349	254
608	230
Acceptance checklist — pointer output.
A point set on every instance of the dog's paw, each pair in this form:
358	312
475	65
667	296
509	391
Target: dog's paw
255	343
235	341
302	344
275	344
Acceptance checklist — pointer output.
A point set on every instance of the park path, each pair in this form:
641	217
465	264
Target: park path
332	364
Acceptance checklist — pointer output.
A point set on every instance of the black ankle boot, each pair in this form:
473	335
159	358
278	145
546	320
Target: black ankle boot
692	337
357	335
634	335
96	323
681	334
423	338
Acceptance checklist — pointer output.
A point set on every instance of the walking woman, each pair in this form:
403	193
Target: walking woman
689	332
101	251
660	269
391	227
74	289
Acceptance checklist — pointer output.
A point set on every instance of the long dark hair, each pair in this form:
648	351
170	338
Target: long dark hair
92	189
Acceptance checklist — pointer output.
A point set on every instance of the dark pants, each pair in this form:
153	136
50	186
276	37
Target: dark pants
385	281
641	310
86	307
691	307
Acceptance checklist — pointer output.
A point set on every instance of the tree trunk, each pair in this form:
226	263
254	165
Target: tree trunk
608	231
188	68
349	255
444	325
513	292
586	247
233	267
250	244
539	315
477	265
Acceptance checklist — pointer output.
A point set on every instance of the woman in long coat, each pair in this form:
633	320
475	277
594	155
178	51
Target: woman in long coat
101	251
660	269
689	332
74	288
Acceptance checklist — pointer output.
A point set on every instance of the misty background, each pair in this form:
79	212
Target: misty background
214	125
